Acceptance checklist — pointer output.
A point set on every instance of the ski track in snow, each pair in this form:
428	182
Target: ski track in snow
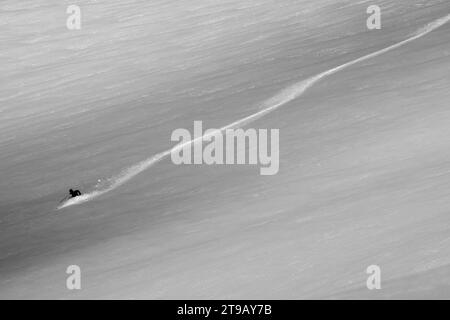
280	99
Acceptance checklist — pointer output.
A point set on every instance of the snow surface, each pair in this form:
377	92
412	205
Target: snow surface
364	153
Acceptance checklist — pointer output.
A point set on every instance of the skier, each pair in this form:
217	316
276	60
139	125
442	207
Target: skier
74	193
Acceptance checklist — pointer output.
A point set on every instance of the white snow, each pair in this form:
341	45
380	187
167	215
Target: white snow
364	153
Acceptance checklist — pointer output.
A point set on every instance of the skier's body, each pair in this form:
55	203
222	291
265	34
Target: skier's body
74	193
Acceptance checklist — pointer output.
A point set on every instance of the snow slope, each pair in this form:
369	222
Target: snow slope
364	172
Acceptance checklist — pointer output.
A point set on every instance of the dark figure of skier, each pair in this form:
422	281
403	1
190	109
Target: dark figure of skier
74	193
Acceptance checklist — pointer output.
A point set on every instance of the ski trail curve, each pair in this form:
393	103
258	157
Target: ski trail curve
280	99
